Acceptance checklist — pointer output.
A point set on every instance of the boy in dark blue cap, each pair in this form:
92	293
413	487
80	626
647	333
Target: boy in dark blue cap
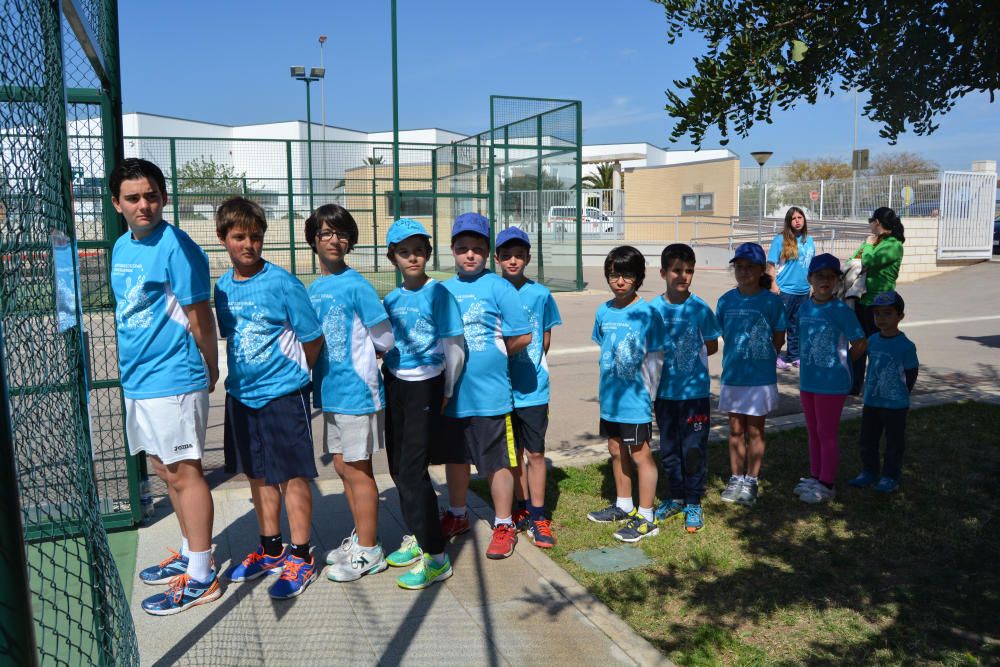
529	378
477	426
892	372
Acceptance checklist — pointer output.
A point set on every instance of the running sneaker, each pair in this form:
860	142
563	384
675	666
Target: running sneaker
864	480
636	529
182	593
748	493
452	525
694	520
362	561
296	575
540	534
257	564
610	514
522	520
781	364
805	483
820	493
668	509
408	553
732	490
425	573
503	541
341	552
172	566
886	485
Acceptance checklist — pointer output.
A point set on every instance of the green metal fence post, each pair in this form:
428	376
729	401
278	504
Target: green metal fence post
175	190
490	186
434	208
538	202
579	195
291	204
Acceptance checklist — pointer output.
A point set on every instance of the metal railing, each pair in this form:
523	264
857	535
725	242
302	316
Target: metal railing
837	237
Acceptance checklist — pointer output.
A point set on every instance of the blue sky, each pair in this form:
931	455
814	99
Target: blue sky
227	62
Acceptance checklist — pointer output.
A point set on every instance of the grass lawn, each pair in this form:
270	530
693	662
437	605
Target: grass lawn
912	578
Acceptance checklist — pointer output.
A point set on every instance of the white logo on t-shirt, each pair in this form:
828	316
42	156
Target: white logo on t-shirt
335	332
476	333
251	340
136	312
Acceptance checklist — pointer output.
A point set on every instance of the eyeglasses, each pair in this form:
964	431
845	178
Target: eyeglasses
332	234
627	277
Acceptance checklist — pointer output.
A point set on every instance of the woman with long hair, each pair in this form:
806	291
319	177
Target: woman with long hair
881	255
788	264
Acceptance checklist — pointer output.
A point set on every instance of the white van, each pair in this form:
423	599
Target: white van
563	219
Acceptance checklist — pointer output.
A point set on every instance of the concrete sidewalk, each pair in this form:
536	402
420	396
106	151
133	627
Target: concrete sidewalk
524	610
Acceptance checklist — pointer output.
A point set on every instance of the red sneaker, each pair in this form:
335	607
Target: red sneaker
452	525
522	520
502	544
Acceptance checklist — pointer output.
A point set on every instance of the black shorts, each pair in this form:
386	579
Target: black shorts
488	442
273	442
530	425
632	435
412	418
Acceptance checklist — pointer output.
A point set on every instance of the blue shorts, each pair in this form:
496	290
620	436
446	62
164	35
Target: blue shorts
273	442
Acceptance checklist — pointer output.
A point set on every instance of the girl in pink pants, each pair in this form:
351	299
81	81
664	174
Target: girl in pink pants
831	339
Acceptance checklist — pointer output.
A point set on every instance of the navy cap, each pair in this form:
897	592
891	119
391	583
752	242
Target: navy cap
513	234
889	298
824	262
471	222
750	251
403	229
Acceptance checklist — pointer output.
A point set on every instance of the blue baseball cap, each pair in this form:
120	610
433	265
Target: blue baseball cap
473	223
403	229
889	298
824	262
513	234
750	251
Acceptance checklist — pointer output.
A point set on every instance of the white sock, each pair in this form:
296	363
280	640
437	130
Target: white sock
678	501
200	565
646	513
748	478
508	521
457	511
185	547
625	504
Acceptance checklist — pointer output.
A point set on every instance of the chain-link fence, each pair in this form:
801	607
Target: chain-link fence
62	599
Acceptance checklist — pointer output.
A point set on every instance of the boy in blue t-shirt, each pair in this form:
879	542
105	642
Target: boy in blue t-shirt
165	329
529	378
420	374
347	384
630	334
273	339
682	400
892	372
477	425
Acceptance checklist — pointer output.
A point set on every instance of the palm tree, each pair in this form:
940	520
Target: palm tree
374	160
604	179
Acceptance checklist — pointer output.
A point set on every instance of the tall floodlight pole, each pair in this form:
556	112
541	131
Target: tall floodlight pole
322	104
854	162
315	74
395	121
761	157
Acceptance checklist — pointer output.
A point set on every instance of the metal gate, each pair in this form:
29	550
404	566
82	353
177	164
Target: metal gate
965	228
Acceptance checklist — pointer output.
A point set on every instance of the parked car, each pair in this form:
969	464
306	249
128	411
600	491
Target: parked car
593	221
923	209
996	235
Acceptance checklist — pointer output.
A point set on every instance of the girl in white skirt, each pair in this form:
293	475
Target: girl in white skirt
753	330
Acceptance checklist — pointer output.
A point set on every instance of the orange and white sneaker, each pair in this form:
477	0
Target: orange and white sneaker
452	525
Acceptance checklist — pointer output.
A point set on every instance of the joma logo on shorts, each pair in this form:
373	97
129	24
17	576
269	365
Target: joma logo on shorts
180	448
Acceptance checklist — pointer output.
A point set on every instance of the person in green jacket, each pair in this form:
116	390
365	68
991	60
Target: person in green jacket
881	254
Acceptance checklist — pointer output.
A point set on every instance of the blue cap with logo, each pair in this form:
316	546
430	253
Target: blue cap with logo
513	234
403	229
889	298
473	223
824	262
750	251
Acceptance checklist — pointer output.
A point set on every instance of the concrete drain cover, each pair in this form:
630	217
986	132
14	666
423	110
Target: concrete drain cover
610	559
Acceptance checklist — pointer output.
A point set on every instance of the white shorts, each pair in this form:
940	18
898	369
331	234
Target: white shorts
171	428
753	401
356	437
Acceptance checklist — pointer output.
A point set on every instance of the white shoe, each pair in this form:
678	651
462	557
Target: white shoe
341	552
805	483
360	561
817	494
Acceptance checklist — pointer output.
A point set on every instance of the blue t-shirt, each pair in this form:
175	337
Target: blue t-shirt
491	310
346	379
888	359
265	318
626	336
825	333
686	328
748	325
420	319
793	274
529	370
152	280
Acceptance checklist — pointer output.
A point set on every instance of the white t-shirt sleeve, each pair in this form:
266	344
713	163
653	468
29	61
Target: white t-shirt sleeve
454	361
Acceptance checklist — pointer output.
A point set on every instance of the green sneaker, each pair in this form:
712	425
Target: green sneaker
408	553
425	573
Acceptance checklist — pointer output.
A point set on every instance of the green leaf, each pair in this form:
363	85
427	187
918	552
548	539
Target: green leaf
799	49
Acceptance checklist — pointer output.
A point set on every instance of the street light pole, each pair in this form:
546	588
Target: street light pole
395	121
322	105
315	74
761	157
